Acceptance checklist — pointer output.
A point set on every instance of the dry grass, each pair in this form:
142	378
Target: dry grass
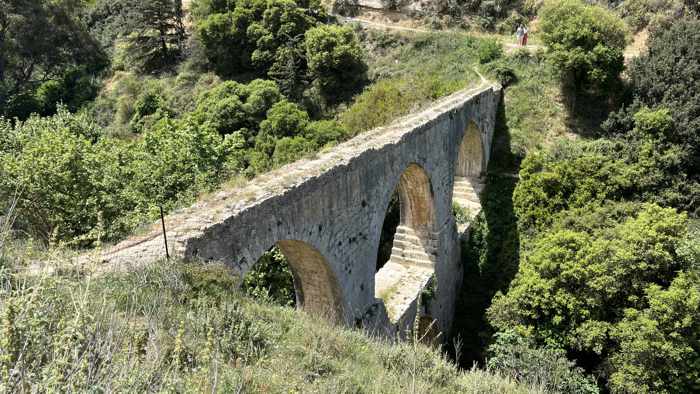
176	327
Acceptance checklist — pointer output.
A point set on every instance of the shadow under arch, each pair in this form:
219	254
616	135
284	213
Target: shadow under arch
411	263
315	284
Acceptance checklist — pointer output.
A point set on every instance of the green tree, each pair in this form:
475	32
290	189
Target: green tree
50	163
519	357
175	160
335	61
585	42
668	76
578	281
253	35
156	33
40	41
232	107
659	349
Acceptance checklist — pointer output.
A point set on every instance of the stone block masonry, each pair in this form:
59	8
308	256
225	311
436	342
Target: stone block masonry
326	215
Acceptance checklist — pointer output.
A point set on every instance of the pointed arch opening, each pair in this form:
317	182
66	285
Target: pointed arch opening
405	270
295	273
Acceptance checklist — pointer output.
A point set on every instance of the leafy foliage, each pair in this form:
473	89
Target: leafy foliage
45	57
283	40
271	279
667	76
335	60
585	42
519	357
81	186
581	281
573	175
660	341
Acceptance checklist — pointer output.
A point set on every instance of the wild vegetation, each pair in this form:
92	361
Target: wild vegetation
174	327
581	271
601	229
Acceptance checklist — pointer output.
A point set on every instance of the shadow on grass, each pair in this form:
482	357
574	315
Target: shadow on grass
590	109
490	255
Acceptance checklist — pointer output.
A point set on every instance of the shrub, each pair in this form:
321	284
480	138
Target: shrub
658	344
51	161
173	161
580	282
505	75
521	359
667	76
232	106
489	50
585	42
256	36
325	132
271	279
335	60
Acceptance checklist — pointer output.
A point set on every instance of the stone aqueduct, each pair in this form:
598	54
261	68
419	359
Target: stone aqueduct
326	215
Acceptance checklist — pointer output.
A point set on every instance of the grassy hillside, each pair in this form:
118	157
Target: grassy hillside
184	328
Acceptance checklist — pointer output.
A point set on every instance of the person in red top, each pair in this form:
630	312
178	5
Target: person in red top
525	31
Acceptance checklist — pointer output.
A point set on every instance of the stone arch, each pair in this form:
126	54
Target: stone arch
470	158
469	168
416	199
316	286
411	264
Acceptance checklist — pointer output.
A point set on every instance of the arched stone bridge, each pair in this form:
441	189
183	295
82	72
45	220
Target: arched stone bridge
326	216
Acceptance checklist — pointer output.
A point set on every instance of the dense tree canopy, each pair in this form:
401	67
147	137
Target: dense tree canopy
246	35
587	284
283	40
335	60
666	87
669	75
44	55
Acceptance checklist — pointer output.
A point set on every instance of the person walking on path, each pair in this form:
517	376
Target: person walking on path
519	34
525	31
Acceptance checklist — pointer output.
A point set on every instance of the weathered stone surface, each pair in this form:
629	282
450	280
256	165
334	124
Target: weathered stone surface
326	216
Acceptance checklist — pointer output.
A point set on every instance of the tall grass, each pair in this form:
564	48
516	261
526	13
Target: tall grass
184	328
409	72
7	220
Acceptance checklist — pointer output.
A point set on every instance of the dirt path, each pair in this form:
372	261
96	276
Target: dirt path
509	47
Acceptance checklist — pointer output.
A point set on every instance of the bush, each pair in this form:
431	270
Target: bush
522	360
335	61
271	279
52	163
489	50
640	13
581	281
174	161
505	75
667	76
233	106
249	35
585	42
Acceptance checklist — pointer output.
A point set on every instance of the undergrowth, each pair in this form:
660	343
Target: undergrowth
185	328
411	71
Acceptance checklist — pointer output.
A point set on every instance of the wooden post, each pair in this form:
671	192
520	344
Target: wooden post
165	237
